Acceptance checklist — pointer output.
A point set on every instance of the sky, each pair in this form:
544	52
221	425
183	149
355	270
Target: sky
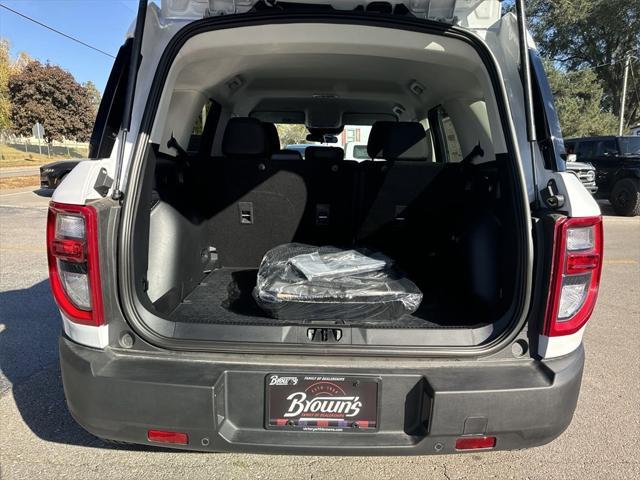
101	23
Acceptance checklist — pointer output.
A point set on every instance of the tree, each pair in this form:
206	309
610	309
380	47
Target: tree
292	134
578	97
595	34
50	95
19	63
5	104
94	95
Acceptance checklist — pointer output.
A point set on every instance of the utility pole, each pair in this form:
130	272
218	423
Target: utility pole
627	62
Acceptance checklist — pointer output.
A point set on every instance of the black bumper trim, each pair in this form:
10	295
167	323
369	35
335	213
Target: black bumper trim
422	410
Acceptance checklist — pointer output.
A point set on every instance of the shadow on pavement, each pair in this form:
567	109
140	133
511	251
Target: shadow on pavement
29	361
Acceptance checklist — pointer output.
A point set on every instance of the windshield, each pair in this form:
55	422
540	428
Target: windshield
630	146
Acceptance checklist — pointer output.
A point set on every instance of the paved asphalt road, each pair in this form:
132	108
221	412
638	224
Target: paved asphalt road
38	438
7	172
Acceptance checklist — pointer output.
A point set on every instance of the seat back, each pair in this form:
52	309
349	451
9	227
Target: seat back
329	211
391	190
259	206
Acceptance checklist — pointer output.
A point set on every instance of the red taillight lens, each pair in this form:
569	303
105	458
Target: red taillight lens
575	274
69	250
475	443
162	436
74	271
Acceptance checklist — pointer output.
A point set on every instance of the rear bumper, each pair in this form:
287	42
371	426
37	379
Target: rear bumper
221	405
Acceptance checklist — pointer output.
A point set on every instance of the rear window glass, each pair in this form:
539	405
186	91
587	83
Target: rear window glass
607	148
630	146
587	149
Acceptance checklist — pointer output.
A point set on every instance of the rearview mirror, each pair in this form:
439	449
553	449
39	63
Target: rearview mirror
572	157
322	138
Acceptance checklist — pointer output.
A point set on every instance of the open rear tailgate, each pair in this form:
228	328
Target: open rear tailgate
465	13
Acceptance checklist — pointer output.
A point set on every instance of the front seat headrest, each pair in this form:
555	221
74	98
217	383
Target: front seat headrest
286	155
273	139
324	154
244	137
398	141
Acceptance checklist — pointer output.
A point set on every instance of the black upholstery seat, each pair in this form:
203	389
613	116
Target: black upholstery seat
287	155
324	154
273	142
260	206
405	141
391	190
330	209
273	138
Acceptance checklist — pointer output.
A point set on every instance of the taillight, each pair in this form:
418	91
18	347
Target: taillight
575	275
74	271
163	436
475	443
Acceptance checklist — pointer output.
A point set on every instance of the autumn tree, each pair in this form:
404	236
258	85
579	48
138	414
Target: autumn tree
19	63
50	95
5	104
94	95
292	134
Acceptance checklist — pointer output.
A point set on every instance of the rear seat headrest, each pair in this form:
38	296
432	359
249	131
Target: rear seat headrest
398	141
324	154
245	137
286	155
273	139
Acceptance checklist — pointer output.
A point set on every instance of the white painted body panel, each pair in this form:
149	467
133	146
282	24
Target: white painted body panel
551	347
77	187
95	337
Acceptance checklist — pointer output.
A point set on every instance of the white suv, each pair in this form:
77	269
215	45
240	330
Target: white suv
155	244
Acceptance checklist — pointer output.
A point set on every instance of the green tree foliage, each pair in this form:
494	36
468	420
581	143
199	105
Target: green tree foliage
578	98
593	34
94	95
50	95
292	133
5	104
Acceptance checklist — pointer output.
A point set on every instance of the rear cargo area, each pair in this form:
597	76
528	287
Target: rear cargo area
436	192
225	296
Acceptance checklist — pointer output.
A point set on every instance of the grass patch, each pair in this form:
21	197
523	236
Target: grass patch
15	156
18	182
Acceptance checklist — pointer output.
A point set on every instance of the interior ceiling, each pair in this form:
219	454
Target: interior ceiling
350	81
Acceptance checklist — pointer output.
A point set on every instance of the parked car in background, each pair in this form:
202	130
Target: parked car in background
356	151
52	174
617	164
586	173
298	147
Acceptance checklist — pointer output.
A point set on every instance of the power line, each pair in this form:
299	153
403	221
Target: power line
56	31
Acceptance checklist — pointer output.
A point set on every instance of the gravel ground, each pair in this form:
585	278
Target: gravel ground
38	438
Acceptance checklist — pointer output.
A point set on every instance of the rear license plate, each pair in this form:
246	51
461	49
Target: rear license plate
321	403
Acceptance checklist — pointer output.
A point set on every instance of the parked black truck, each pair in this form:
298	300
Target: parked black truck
617	163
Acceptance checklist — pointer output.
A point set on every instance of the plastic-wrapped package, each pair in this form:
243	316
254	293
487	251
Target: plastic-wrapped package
343	285
348	262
